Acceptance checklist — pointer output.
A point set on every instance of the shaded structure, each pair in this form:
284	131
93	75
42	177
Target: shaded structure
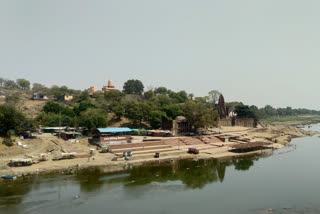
109	136
178	126
39	96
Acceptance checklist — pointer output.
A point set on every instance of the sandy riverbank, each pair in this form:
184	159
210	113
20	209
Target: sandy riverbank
274	137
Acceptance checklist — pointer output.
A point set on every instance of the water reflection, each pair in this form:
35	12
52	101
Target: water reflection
191	174
194	175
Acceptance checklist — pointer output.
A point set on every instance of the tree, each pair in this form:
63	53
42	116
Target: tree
133	87
118	109
138	112
10	84
113	96
83	106
155	119
148	95
214	96
23	84
243	111
84	96
161	90
59	92
52	119
51	107
198	115
92	119
12	119
37	87
172	111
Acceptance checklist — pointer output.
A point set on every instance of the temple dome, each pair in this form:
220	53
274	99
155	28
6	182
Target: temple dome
110	83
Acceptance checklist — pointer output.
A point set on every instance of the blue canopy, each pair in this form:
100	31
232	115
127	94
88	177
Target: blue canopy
113	130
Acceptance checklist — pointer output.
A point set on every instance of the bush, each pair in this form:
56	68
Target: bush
8	142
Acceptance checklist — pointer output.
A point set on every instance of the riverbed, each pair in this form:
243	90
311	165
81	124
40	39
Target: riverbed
287	181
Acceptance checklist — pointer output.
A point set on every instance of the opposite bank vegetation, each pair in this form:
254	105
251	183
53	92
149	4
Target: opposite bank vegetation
133	107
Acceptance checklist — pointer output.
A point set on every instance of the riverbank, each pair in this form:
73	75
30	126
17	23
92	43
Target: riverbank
292	120
272	137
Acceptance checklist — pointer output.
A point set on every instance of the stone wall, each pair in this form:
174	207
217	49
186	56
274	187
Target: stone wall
225	122
244	122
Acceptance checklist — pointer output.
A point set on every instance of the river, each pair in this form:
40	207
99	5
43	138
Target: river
288	181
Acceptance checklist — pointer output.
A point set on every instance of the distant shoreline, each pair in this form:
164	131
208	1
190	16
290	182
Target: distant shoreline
275	136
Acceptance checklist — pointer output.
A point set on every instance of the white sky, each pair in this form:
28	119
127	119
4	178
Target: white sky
255	51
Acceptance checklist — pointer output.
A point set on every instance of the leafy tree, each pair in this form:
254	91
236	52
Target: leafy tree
133	87
198	115
59	92
51	107
243	111
92	118
113	96
148	95
172	111
23	84
10	84
155	119
84	96
118	109
52	119
37	87
161	90
138	112
12	119
163	100
214	96
83	106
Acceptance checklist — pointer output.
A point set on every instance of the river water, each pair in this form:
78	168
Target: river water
286	182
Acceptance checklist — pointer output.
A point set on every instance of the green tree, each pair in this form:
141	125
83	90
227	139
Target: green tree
113	96
138	112
198	115
172	111
243	111
37	87
118	109
155	119
10	84
84	96
59	92
12	119
161	90
133	87
83	106
92	119
23	84
148	95
51	107
214	96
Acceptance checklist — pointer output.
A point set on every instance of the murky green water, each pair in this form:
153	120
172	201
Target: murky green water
286	182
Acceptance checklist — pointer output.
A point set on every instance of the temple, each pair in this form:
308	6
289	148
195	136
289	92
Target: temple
108	87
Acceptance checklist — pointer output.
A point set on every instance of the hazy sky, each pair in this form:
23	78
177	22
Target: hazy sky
256	51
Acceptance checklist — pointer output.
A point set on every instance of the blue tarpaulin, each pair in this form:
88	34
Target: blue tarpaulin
113	130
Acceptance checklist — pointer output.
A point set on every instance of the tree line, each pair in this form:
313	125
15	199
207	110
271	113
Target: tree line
133	106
